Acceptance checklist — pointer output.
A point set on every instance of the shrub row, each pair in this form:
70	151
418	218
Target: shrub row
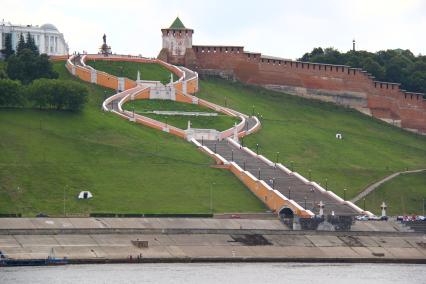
44	94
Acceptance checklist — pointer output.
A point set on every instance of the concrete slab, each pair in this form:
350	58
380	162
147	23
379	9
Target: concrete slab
325	241
367	241
377	251
7	241
75	240
392	242
36	240
406	252
196	240
289	240
345	252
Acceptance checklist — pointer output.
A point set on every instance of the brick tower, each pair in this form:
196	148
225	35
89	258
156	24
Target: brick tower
177	45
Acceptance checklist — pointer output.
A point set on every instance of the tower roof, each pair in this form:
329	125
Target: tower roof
177	24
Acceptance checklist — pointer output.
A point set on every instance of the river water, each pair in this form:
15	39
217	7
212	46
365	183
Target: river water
222	273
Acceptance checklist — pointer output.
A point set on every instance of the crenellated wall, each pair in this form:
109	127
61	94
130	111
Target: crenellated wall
334	83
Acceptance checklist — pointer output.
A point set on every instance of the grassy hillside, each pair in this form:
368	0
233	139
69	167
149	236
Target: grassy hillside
404	194
152	72
220	122
127	167
303	131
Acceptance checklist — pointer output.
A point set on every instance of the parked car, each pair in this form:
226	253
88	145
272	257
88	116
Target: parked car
384	218
374	218
362	218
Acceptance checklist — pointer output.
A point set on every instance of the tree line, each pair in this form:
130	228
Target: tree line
29	80
392	65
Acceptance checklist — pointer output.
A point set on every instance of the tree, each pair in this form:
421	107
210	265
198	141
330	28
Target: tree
374	68
31	45
39	92
21	44
8	49
27	66
11	93
59	94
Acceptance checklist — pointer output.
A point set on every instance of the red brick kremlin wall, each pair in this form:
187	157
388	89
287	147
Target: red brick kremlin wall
341	84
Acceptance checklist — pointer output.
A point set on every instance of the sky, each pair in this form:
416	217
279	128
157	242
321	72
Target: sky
279	28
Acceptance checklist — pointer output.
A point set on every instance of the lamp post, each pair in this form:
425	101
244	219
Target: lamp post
232	155
211	197
344	194
289	192
310	177
64	198
364	203
278	157
258	174
242	141
292	166
273	183
252	111
257	149
215	148
226	101
244	165
326	183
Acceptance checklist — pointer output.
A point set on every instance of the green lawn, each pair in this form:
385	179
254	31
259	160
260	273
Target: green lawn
220	122
303	132
164	105
151	72
403	194
128	168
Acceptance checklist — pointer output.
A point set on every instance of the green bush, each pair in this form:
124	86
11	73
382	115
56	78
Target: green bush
27	66
11	93
58	94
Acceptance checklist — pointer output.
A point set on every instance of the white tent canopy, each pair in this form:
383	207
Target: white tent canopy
85	195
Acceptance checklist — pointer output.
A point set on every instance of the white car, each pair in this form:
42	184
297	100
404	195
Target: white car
362	218
374	218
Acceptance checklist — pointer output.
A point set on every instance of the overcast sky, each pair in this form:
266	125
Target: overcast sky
279	28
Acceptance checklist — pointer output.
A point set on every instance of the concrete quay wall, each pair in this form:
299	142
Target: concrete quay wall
101	248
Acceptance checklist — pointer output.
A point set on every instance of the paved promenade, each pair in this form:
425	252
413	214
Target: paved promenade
173	239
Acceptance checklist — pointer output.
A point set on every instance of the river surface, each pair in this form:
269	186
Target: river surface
222	273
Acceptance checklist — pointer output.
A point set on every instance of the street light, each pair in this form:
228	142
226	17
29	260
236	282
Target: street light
344	194
326	183
257	149
289	192
232	155
278	157
64	198
364	203
292	166
226	102
258	174
244	165
211	197
273	183
215	148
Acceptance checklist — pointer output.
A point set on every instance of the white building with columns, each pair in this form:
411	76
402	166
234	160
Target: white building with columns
47	37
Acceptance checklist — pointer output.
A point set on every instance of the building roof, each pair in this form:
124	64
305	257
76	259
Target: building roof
177	24
49	27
